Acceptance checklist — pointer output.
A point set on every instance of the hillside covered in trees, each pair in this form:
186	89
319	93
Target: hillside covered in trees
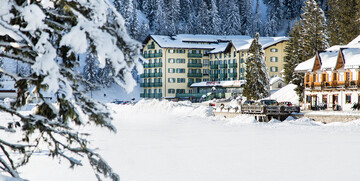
225	17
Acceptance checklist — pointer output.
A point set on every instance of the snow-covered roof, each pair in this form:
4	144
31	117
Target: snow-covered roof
305	66
355	42
351	57
328	59
275	79
235	83
216	43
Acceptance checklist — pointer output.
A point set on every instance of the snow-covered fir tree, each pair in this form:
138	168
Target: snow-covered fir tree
314	33
257	19
257	77
49	36
160	23
91	69
343	24
232	19
173	16
294	56
215	20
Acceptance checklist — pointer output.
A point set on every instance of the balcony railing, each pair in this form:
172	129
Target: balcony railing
151	65
194	65
214	76
151	95
224	75
195	55
152	55
332	84
214	66
194	74
223	66
195	95
157	84
146	75
233	65
232	75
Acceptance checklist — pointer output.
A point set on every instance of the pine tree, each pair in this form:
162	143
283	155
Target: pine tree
49	38
257	19
215	20
232	20
343	24
91	69
134	27
160	21
173	16
275	20
246	17
313	25
294	56
257	77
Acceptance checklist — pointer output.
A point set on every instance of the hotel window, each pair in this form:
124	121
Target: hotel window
242	54
241	60
274	50
348	98
180	70
180	80
171	60
171	80
206	62
145	91
171	91
170	70
273	59
160	90
171	51
149	91
242	70
155	91
206	71
160	51
273	69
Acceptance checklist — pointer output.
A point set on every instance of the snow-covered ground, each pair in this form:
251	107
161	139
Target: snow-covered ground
162	141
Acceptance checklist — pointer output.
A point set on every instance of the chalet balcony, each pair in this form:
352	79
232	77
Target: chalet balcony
223	66
214	66
353	84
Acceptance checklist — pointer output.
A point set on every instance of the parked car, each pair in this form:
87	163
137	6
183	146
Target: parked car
249	102
286	103
269	102
120	102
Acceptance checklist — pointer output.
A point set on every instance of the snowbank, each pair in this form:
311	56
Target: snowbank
286	93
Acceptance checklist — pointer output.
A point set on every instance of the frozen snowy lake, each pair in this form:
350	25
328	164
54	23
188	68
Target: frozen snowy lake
162	141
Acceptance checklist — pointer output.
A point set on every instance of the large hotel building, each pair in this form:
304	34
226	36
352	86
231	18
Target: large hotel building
179	65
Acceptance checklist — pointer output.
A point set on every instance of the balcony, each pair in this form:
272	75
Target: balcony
151	95
214	76
224	76
151	46
145	84
157	65
156	55
194	65
232	75
157	84
223	66
195	95
158	74
195	55
144	75
194	74
233	65
214	66
152	55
